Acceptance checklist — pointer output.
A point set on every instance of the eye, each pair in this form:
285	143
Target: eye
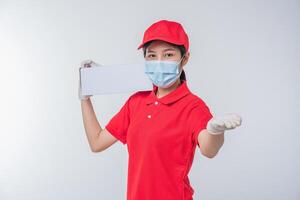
150	55
169	54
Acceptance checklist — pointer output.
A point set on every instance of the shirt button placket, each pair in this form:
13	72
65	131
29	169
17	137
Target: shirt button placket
155	103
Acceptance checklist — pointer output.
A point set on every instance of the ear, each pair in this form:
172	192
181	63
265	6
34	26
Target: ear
185	59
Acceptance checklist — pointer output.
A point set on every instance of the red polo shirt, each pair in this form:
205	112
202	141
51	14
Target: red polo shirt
161	137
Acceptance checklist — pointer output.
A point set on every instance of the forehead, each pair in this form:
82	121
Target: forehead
159	45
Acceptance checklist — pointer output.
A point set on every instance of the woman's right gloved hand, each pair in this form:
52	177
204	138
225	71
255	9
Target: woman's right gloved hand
85	63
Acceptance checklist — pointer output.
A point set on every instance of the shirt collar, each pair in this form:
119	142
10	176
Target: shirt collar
171	97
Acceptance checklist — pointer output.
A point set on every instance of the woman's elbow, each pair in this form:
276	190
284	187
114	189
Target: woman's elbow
95	149
209	155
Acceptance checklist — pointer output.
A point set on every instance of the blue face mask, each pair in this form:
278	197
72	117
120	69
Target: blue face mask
163	73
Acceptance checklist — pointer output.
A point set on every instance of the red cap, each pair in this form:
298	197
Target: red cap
168	31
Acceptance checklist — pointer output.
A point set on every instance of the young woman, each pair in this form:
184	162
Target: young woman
161	127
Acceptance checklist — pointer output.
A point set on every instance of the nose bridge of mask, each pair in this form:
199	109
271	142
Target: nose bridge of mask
157	66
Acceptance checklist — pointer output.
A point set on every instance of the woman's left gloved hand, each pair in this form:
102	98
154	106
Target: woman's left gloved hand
217	125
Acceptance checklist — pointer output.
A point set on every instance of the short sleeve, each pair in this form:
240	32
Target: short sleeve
118	124
199	117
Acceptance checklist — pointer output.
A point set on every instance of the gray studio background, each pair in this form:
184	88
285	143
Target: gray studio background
245	58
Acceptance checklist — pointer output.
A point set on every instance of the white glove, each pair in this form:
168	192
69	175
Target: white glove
85	63
217	125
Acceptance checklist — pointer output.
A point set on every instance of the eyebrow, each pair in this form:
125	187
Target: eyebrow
168	49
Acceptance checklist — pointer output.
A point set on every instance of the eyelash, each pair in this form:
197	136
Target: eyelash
150	55
170	54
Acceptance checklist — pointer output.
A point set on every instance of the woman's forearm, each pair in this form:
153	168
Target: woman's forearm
91	124
210	144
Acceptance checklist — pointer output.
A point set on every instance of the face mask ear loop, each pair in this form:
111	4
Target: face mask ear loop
181	60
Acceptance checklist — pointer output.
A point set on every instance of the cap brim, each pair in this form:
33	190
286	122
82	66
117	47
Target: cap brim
159	38
141	45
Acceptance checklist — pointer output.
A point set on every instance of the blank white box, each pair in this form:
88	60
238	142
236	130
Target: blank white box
112	79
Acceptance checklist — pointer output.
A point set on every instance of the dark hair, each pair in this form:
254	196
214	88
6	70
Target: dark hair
180	47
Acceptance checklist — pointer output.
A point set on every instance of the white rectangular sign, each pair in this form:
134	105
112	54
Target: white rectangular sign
111	79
